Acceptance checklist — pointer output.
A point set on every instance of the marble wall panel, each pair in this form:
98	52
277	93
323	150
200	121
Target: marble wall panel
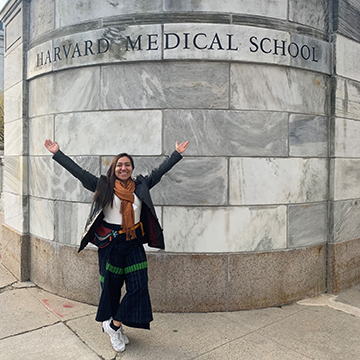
16	213
70	219
347	138
220	50
41	217
14	29
347	99
230	133
318	54
275	9
101	133
65	91
228	229
346	178
117	42
308	135
277	181
40	128
347	18
15	138
259	87
166	85
347	52
346	221
16	174
192	181
315	13
68	12
37	62
13	102
49	180
13	67
307	225
42	17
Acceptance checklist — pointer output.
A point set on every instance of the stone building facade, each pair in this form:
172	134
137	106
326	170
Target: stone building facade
263	210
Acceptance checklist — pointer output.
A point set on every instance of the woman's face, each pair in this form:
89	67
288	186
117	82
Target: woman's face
123	169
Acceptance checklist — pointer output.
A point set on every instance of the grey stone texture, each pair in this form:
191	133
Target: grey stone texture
165	85
261	87
347	95
314	232
346	138
346	225
13	66
346	17
42	17
344	265
229	133
15	250
315	13
308	135
14	29
345	51
181	184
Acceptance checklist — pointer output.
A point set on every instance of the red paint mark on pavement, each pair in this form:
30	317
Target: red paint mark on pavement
68	306
46	302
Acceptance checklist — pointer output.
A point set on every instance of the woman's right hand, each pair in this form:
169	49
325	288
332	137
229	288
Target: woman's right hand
52	147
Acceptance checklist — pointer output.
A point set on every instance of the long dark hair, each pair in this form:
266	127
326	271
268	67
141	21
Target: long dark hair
104	193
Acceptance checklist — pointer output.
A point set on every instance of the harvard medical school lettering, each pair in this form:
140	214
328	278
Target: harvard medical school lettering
170	41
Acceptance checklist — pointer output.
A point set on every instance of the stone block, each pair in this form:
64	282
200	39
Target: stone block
59	269
313	54
229	229
346	221
307	225
277	181
180	186
14	30
70	219
40	128
347	16
69	12
38	59
308	135
100	133
343	265
15	139
42	17
49	180
275	9
173	279
230	133
41	221
266	279
347	103
347	52
315	14
165	85
222	42
13	67
345	178
16	212
13	102
347	138
79	90
259	87
16	174
15	253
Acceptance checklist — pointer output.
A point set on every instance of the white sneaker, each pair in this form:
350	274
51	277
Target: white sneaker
117	341
125	338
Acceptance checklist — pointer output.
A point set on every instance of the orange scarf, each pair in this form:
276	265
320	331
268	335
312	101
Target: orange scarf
125	194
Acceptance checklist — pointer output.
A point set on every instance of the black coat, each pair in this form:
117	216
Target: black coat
153	232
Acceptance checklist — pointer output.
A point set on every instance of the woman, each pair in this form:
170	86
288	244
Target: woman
122	218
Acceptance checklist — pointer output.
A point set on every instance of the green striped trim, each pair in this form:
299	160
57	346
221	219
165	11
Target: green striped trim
127	270
101	279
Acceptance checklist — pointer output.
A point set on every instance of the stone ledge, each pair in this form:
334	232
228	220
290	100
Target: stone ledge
190	282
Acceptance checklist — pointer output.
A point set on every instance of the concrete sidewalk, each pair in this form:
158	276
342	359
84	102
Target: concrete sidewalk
36	325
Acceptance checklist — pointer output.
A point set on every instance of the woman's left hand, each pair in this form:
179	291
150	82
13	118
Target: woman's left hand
180	148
